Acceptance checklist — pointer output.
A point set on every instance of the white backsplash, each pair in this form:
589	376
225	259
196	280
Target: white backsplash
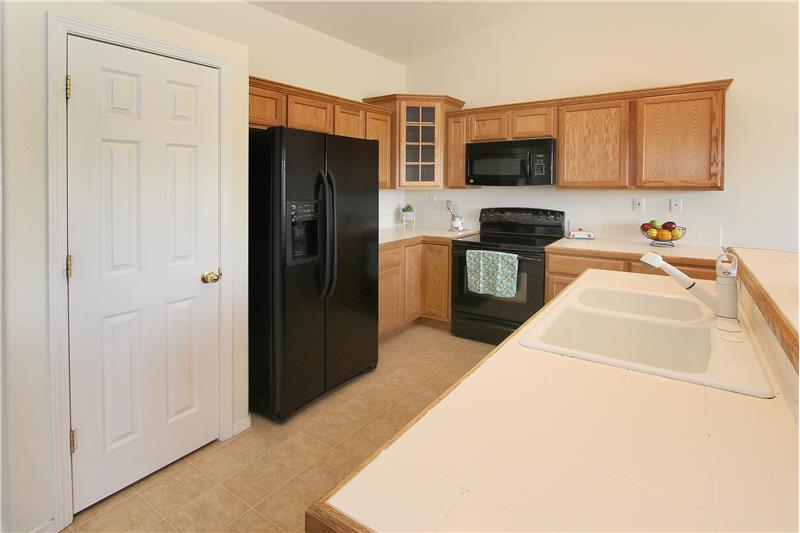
608	214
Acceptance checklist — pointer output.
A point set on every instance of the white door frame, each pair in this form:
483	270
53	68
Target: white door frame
58	28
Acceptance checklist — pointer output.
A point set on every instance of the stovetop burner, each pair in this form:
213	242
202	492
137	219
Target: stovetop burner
516	229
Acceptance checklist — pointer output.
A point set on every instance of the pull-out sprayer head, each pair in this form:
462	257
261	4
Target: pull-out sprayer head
652	260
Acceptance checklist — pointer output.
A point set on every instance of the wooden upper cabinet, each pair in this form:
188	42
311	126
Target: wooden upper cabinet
267	107
455	160
679	141
309	114
593	145
532	122
379	126
348	121
420	144
488	126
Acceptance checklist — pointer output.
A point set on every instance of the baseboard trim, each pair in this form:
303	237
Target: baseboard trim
47	527
242	425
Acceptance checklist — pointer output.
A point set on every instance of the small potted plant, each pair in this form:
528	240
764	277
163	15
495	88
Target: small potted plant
408	215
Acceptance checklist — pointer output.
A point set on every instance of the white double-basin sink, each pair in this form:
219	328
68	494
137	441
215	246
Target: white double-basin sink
648	324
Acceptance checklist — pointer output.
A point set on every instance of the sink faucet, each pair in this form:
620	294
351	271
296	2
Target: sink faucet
725	302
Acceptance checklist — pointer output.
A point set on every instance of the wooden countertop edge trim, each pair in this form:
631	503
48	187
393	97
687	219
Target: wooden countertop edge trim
781	327
339	522
714	85
308	93
629	256
417	239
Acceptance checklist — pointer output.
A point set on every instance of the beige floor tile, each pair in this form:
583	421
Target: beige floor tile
286	506
298	451
266	434
159	475
336	426
212	511
179	487
329	469
104	505
220	462
133	514
258	479
252	522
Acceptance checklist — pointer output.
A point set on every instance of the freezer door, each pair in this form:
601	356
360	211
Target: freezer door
300	349
351	308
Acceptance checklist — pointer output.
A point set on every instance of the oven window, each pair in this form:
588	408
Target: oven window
498	166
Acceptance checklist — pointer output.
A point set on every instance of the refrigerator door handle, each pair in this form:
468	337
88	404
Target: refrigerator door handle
322	192
334	263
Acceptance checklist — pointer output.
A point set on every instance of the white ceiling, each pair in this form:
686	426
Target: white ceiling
401	31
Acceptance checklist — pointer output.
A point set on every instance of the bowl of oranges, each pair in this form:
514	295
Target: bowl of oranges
662	234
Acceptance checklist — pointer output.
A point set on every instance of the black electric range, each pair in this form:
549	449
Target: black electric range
517	230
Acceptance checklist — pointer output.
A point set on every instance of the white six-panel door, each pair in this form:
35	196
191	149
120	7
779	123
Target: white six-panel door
143	210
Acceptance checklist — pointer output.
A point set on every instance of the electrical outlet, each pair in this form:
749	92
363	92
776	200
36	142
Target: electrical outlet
676	205
638	204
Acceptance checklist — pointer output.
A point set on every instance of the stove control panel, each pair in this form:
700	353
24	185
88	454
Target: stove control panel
522	216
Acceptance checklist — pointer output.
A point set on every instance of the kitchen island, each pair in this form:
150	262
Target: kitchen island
531	440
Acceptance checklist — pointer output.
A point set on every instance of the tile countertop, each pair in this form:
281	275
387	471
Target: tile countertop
637	247
776	270
536	441
399	233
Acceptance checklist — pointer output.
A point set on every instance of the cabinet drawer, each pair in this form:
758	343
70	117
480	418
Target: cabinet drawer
309	114
488	127
692	272
348	121
389	259
267	107
532	122
575	265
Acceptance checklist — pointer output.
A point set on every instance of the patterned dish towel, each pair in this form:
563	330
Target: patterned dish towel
492	273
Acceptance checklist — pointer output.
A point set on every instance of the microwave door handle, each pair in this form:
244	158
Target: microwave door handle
528	176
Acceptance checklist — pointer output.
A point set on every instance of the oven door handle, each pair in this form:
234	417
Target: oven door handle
531	259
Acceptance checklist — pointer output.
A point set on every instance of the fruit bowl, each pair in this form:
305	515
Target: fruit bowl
662	234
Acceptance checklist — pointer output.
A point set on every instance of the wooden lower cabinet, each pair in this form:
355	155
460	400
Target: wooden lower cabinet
390	290
554	284
436	281
563	268
413	283
412	289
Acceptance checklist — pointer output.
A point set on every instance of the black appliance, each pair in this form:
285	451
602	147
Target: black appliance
515	230
313	265
524	162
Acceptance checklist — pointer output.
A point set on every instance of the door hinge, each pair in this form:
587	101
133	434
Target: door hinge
69	266
69	86
71	441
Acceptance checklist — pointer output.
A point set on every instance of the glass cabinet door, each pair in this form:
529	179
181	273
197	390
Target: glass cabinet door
420	144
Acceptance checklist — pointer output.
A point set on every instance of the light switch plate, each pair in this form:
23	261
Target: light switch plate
638	204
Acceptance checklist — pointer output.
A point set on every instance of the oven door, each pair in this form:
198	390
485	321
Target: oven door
512	311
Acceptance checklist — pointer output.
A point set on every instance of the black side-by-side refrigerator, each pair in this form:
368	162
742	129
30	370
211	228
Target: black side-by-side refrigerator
313	265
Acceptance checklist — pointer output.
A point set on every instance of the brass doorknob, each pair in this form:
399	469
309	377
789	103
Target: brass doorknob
210	277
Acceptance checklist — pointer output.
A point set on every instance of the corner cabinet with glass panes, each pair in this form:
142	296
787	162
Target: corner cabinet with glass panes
418	149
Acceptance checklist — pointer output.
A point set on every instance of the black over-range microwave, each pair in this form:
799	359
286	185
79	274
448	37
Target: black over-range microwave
524	162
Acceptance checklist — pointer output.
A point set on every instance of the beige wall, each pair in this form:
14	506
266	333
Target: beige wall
285	51
572	49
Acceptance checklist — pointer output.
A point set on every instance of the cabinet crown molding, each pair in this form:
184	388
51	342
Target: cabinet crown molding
715	85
